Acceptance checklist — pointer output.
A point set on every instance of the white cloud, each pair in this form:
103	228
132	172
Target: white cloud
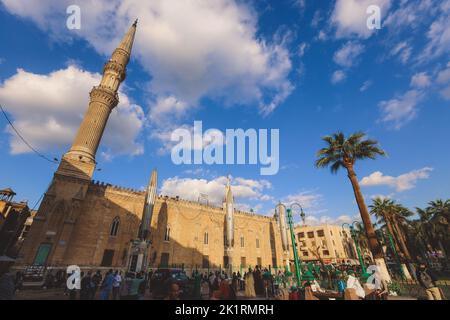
366	85
401	109
47	111
401	183
350	17
321	220
338	76
302	49
403	51
191	49
190	189
443	80
348	54
409	14
438	34
420	80
382	196
307	199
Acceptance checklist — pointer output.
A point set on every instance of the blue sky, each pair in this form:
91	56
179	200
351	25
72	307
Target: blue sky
308	68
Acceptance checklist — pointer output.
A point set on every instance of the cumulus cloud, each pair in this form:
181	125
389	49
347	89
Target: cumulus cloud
321	220
401	109
307	199
338	76
191	49
420	80
401	183
349	17
348	54
48	109
191	188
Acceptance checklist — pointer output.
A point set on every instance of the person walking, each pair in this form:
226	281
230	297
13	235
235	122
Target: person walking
250	284
86	286
428	281
96	281
107	286
116	285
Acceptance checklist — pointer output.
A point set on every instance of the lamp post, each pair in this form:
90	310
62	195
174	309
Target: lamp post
353	235
294	243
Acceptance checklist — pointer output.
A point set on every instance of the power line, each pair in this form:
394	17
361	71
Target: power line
55	160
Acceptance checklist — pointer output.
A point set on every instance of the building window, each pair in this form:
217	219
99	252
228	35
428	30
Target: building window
259	261
301	235
331	232
164	260
114	227
242	242
107	259
205	238
305	253
167	234
257	243
326	252
243	262
320	233
311	234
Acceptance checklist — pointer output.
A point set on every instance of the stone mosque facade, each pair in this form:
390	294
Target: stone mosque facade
91	224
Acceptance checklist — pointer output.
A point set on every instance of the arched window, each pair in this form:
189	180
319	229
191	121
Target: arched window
114	227
167	234
257	243
242	242
205	238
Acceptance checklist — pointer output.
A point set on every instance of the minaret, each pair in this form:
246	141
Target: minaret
229	216
284	233
150	198
103	99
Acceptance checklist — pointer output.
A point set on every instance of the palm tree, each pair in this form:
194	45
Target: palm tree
381	209
440	222
395	216
342	152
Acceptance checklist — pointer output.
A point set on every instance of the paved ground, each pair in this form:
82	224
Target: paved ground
58	294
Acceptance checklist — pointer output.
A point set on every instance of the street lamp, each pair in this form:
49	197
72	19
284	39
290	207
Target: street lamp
352	228
294	243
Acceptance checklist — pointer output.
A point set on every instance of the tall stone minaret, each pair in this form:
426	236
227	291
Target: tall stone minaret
103	99
62	204
283	232
150	198
229	218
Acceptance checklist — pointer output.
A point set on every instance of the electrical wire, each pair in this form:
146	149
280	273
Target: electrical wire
55	160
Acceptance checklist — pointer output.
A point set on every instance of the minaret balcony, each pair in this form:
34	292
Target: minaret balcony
104	95
117	67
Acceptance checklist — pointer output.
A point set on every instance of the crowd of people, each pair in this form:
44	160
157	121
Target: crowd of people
254	283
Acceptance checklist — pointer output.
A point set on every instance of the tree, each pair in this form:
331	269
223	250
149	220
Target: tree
342	152
395	217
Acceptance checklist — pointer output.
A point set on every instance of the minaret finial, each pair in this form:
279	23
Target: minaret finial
135	22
